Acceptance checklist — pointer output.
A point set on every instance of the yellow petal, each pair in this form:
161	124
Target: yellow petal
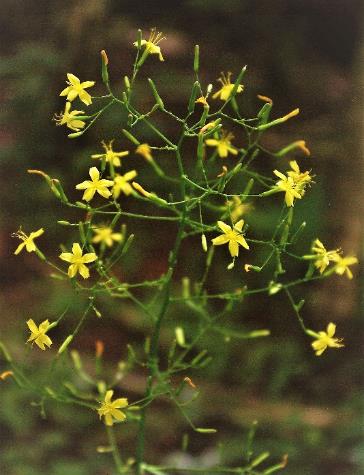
104	192
66	256
72	270
36	234
120	403
19	248
83	270
94	174
109	420
89	194
32	326
224	227
331	328
108	396
233	248
217	241
241	240
76	249
89	257
239	225
118	415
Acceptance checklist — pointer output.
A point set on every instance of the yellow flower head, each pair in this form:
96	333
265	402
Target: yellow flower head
76	88
232	236
38	334
223	144
105	234
28	241
287	184
121	183
322	256
151	45
110	410
343	263
326	339
145	151
300	178
70	118
78	261
227	87
109	155
95	185
293	184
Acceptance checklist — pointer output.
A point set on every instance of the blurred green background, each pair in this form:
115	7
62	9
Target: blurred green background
306	54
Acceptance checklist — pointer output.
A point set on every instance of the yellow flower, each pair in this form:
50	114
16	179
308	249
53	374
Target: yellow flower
223	145
227	87
145	151
232	236
323	257
95	185
78	261
343	263
121	183
300	178
76	88
294	183
109	155
326	339
104	234
28	241
151	45
287	184
38	334
70	118
111	409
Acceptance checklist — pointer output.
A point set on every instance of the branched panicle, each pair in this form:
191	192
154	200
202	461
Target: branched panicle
212	194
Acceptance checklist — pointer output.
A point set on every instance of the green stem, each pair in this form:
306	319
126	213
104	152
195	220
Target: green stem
115	451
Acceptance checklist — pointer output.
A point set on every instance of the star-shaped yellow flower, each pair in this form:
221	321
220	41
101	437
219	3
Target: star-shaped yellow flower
227	87
70	118
110	155
287	184
151	45
145	151
343	263
293	184
223	144
105	234
232	236
121	183
78	261
326	339
322	256
95	185
77	88
38	334
300	178
110	410
28	241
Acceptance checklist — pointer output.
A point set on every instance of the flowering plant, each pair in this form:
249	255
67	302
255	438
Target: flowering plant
212	192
